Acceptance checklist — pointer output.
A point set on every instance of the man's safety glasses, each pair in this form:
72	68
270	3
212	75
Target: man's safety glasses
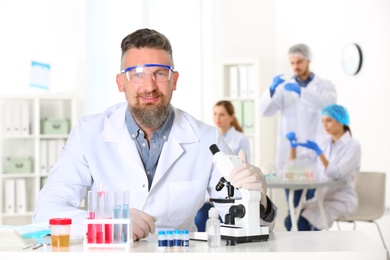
138	74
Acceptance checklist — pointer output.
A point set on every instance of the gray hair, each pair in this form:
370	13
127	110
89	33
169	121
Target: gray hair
146	38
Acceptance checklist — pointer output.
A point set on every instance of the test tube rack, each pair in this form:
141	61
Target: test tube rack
107	233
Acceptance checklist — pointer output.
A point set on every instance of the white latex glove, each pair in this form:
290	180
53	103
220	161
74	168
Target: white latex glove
249	177
142	224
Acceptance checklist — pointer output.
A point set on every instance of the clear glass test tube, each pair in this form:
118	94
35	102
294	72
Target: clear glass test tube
108	214
118	201
91	204
125	213
100	214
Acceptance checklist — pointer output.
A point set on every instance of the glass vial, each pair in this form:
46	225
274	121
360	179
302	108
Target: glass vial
213	229
162	241
185	238
169	237
177	238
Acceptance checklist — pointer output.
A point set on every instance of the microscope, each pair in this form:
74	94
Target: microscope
242	223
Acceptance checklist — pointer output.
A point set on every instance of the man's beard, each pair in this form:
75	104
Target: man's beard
302	73
153	117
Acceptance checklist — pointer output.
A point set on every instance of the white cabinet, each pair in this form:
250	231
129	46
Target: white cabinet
33	130
243	83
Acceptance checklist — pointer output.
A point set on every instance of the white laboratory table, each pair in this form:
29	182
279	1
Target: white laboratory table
303	185
319	245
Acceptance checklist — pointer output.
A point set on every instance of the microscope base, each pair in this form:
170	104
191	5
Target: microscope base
244	235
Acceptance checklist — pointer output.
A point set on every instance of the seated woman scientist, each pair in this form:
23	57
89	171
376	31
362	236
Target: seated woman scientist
338	158
227	124
228	127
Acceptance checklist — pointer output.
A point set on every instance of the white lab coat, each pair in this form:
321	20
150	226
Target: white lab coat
237	141
299	114
344	163
99	149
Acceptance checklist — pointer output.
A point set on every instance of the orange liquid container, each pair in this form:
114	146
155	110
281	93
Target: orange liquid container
60	241
60	231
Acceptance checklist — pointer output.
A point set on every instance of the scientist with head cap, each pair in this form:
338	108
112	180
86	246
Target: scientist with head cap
339	156
299	101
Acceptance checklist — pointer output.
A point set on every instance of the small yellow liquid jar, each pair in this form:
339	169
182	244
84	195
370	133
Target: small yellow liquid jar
60	231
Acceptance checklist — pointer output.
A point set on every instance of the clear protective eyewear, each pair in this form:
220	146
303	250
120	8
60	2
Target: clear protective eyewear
138	74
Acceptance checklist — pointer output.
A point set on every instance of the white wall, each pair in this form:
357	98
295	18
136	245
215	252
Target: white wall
108	22
47	31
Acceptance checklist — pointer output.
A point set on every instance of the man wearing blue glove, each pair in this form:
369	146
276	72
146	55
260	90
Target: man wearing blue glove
299	101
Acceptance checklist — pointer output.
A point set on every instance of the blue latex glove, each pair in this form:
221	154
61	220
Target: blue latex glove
276	82
293	87
313	146
293	139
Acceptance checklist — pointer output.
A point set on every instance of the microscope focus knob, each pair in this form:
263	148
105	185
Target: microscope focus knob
237	211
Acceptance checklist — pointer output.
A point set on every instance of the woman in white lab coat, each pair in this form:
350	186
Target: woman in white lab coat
227	124
338	159
228	127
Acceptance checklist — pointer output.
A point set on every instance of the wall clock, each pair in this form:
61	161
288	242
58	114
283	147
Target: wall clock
352	59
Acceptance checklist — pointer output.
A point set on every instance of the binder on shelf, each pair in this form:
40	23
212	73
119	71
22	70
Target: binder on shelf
24	118
43	157
251	81
16	123
237	104
243	79
51	153
8	126
9	194
249	116
234	82
59	145
21	196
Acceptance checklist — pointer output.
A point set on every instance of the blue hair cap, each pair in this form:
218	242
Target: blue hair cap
337	112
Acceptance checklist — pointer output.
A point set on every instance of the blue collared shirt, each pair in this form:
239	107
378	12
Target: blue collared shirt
306	82
149	156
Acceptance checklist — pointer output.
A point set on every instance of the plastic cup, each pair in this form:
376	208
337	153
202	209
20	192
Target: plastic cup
60	231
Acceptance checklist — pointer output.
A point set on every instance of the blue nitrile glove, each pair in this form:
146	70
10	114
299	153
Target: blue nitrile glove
312	145
293	139
293	87
276	82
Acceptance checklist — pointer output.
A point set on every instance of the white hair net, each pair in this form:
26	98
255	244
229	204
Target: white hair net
301	49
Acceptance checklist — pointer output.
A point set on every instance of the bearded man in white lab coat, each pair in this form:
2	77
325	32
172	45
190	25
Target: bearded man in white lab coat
146	146
299	101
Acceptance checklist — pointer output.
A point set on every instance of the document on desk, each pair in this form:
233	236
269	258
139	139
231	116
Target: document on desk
28	231
10	238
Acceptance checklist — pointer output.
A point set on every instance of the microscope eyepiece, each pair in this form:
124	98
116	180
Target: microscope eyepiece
221	184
